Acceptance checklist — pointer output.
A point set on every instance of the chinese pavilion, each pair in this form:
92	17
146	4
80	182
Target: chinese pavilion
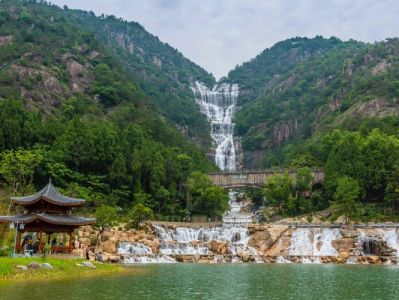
46	212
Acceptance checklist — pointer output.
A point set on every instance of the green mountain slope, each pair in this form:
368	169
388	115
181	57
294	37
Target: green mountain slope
302	88
162	72
71	101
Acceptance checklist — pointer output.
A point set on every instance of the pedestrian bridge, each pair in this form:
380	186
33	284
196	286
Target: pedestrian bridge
248	178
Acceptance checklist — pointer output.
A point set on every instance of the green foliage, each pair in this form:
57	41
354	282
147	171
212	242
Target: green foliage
18	127
291	198
206	198
140	213
346	197
92	107
106	216
17	167
303	179
278	191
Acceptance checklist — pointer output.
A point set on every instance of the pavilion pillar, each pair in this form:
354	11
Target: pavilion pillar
40	241
18	242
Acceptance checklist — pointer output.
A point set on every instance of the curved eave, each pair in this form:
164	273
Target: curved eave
47	218
25	201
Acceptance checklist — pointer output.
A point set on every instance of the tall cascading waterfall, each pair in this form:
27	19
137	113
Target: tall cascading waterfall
218	104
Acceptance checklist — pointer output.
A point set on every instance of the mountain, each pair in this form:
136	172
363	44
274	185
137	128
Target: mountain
90	100
161	72
294	93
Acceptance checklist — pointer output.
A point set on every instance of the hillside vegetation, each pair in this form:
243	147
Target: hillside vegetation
91	116
326	103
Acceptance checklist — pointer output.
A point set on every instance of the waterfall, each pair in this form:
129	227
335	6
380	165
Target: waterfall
392	238
234	216
218	104
196	241
139	253
314	242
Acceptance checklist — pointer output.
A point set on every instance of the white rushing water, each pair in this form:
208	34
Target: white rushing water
314	242
218	104
391	236
235	216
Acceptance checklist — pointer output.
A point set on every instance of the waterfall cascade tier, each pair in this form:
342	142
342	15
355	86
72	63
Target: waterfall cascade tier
276	244
314	242
218	104
234	216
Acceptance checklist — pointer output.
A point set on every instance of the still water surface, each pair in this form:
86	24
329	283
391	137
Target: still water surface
246	281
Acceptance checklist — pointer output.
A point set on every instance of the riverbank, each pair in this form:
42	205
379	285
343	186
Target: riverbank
12	269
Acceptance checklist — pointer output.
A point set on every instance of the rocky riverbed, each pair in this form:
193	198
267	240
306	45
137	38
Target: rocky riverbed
255	243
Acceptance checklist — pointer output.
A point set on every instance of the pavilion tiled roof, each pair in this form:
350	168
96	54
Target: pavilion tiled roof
50	194
48	218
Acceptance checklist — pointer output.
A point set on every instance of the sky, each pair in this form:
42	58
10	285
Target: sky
220	34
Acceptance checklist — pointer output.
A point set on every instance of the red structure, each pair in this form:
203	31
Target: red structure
46	212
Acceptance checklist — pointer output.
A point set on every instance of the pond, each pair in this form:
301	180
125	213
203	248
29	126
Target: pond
223	281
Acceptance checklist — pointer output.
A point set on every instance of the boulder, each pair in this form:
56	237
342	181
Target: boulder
46	266
213	246
343	245
108	247
88	264
260	240
34	266
114	259
245	256
373	259
342	257
155	246
23	268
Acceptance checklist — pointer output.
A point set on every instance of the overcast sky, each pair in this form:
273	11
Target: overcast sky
219	34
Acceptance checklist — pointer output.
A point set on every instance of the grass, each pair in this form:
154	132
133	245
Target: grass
64	268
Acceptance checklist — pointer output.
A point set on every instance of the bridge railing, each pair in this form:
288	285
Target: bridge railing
261	171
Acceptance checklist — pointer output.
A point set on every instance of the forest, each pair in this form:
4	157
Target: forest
72	111
104	108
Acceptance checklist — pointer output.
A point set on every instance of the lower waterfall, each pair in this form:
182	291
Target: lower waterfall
314	242
232	243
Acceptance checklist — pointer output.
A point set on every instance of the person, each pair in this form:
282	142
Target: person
54	242
46	250
88	253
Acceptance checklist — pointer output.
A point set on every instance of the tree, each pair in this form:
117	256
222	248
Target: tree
206	198
140	213
17	167
277	190
346	197
303	180
213	202
106	216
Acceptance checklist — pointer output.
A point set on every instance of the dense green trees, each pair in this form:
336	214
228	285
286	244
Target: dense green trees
140	213
370	159
206	198
18	168
288	196
346	197
82	102
96	159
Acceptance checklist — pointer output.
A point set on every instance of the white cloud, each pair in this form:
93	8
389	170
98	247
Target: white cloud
219	34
